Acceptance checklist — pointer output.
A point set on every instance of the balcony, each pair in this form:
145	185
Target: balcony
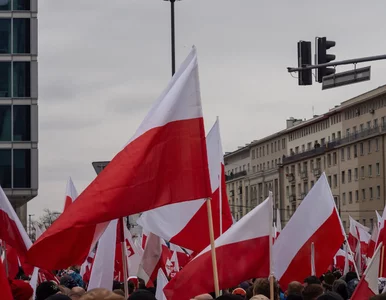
292	198
235	175
304	175
291	177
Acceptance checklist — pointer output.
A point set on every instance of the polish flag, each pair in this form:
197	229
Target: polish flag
71	193
38	231
162	281
242	253
183	257
85	269
315	221
12	231
177	223
278	223
368	285
144	236
382	238
5	289
340	258
164	163
357	229
155	256
379	219
373	241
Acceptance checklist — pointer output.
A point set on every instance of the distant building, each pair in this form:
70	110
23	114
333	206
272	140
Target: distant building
18	102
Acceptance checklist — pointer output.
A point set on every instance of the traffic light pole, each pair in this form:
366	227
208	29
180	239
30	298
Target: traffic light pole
338	63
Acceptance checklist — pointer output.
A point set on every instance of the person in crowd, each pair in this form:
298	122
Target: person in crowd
329	296
239	292
46	289
59	297
131	286
68	282
294	297
340	286
312	291
379	297
261	287
229	297
294	288
141	295
203	297
119	292
249	293
328	280
101	294
21	290
74	272
337	274
311	280
259	297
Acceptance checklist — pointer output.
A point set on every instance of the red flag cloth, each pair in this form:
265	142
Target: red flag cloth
12	231
183	220
164	163
340	258
373	241
315	221
368	285
71	194
242	253
5	289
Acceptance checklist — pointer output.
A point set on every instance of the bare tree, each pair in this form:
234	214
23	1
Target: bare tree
48	218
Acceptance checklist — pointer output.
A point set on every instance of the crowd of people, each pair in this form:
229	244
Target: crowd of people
70	286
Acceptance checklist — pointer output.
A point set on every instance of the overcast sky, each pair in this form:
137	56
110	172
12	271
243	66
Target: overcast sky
103	63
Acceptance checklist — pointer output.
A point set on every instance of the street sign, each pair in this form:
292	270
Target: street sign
346	78
99	166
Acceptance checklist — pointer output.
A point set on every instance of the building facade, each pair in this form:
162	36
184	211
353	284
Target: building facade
18	102
348	143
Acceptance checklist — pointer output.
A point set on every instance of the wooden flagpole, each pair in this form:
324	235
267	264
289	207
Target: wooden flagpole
382	260
352	255
124	262
213	248
271	277
313	271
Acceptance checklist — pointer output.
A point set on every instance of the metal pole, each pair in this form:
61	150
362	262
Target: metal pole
173	38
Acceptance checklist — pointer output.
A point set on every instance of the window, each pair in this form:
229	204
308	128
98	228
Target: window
368	124
22	123
355	151
371	193
375	123
21	4
334	158
22	168
348	152
283	143
21	36
329	180
370	170
253	154
5	5
356	173
344	225
335	181
21	79
344	198
343	177
267	165
350	197
362	127
363	194
342	154
349	175
361	148
364	222
5	36
5	168
372	224
5	123
363	172
312	183
329	159
377	144
378	191
377	169
356	196
5	79
369	146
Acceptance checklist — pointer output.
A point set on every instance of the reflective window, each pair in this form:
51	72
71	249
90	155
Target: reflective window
21	168
21	123
5	123
5	79
5	35
21	4
21	79
5	168
5	4
21	36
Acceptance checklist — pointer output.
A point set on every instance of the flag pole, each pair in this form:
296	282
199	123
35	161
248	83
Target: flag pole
271	277
352	255
124	262
213	248
382	259
313	271
220	179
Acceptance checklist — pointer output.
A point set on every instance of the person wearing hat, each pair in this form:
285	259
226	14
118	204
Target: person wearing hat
46	289
21	290
240	292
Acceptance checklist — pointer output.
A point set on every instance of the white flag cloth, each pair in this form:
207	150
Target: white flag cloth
162	281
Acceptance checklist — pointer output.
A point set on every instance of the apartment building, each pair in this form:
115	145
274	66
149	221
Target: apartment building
348	143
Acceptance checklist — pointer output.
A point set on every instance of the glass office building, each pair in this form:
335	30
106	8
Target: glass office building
18	102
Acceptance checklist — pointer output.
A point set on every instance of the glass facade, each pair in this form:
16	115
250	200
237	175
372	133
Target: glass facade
21	123
5	168
5	4
5	36
5	79
21	168
21	79
5	123
21	35
21	4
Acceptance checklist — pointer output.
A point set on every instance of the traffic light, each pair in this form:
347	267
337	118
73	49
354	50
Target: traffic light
321	57
304	59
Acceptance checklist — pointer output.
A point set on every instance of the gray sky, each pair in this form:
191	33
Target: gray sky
102	64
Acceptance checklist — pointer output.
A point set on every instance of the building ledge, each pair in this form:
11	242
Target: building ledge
19	197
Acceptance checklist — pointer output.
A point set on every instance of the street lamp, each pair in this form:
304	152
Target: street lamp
173	38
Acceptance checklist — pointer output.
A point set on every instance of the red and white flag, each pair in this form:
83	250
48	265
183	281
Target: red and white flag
315	221
242	253
278	224
368	285
340	258
12	231
5	289
165	162
358	232
183	220
373	241
71	193
183	257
